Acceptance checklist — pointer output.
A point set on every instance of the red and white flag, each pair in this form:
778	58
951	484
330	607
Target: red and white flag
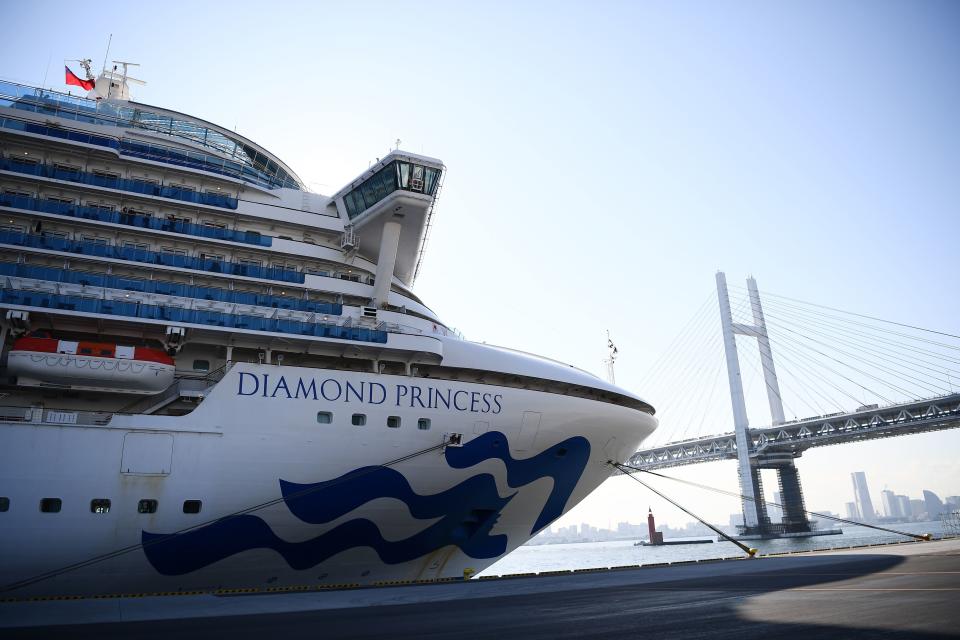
73	79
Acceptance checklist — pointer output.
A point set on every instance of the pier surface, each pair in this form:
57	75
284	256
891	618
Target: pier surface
890	591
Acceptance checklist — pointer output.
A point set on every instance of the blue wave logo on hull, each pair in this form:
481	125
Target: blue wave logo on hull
467	512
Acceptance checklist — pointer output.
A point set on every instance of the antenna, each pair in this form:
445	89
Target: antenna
107	54
611	358
125	77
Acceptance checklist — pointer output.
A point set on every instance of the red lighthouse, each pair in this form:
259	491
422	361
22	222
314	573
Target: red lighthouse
655	536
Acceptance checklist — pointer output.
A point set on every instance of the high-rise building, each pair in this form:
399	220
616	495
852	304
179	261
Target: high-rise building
905	506
891	506
934	506
852	513
862	497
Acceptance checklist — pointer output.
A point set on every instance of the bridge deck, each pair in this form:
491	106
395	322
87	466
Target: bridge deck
795	437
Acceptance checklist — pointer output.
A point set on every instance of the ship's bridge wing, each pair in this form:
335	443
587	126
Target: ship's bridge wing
399	188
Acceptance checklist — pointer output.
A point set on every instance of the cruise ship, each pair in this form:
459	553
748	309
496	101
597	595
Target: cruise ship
214	379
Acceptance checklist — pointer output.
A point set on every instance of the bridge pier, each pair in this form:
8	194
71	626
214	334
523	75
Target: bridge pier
794	520
756	521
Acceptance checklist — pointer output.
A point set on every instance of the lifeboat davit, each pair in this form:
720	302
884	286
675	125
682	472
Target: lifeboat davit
39	361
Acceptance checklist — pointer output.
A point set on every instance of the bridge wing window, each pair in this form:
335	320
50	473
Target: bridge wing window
396	175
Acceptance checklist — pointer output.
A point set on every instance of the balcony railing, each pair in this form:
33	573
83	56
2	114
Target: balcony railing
157	152
256	165
162	287
133	220
122	184
189	316
136	254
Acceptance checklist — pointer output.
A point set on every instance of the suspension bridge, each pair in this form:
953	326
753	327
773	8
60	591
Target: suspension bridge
862	377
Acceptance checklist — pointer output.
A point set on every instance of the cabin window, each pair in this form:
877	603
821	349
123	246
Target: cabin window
4	504
100	505
147	506
359	419
192	506
201	365
51	505
423	424
324	417
393	422
86	351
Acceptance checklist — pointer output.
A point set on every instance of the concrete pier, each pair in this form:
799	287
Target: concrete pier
898	590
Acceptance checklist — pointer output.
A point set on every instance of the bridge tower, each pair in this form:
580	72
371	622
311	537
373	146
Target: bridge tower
756	522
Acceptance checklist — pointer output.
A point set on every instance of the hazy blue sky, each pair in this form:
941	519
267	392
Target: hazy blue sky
604	160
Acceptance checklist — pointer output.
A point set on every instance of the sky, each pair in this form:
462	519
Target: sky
604	160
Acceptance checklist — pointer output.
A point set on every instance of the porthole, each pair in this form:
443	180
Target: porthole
201	365
147	506
51	505
393	422
324	417
100	505
192	506
359	419
4	504
423	424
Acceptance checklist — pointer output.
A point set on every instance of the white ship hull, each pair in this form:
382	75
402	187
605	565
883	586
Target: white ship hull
430	517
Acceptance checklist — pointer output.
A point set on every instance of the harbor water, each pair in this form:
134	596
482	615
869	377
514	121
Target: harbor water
533	558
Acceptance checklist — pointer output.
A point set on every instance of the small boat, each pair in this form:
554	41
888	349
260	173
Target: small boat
39	360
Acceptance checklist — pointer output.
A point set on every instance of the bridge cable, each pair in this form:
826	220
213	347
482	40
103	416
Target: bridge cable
859	339
870	326
859	315
906	377
882	350
263	505
625	467
751	552
811	365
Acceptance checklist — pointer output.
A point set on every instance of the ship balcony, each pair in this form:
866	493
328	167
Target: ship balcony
156	223
135	254
32	168
84	279
149	151
246	161
73	304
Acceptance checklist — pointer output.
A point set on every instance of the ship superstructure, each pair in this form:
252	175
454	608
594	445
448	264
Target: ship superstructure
229	376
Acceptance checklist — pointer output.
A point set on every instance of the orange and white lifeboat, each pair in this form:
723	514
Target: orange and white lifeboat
99	366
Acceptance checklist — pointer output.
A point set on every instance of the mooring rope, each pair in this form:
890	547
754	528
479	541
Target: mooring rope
750	551
625	467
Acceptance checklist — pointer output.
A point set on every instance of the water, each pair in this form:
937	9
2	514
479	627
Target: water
592	555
